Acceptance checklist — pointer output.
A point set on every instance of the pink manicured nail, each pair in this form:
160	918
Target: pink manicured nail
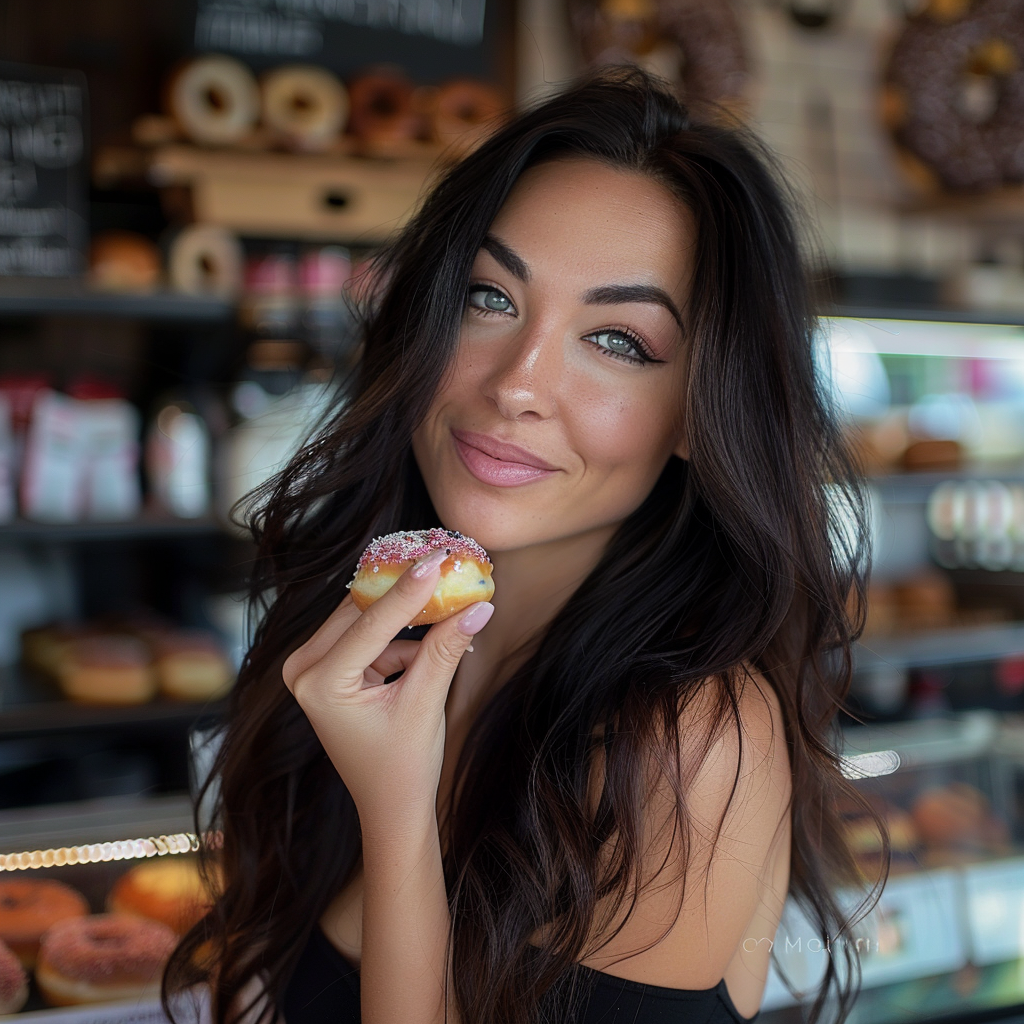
428	562
476	618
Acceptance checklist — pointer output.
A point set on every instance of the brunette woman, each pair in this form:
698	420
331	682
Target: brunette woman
591	351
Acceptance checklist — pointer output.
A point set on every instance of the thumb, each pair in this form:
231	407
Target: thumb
447	641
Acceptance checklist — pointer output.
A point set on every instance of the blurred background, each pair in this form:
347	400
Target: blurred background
191	195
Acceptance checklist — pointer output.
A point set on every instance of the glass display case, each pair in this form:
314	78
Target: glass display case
946	938
92	899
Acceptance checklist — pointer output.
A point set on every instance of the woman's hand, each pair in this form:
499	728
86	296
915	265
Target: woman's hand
386	741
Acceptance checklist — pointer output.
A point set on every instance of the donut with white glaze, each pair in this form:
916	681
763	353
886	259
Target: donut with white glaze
465	573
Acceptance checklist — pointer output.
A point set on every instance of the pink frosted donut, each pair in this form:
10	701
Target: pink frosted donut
102	958
13	981
465	573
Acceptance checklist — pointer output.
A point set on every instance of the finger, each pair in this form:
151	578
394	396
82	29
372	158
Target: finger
368	635
321	641
442	648
397	656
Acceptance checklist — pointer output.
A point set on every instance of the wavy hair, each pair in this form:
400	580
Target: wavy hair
752	552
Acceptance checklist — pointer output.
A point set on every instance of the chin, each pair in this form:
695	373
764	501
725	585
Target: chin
491	523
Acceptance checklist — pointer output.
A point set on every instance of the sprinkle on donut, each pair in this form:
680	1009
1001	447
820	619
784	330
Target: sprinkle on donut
408	545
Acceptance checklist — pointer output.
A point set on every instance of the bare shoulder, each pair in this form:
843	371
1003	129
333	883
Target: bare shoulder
700	896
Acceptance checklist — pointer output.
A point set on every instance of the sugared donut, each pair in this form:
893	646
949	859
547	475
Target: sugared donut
954	94
170	891
102	958
29	906
465	573
306	105
381	107
13	982
214	99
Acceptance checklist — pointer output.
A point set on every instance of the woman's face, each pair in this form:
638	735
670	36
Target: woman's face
570	349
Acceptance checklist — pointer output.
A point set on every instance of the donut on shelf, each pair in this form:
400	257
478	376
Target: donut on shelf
29	907
204	259
124	261
103	958
953	95
13	982
382	110
304	105
464	110
171	891
697	44
215	100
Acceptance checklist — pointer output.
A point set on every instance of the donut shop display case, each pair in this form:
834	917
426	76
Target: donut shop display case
946	940
93	896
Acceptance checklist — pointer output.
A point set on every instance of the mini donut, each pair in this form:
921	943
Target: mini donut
214	99
13	982
381	107
171	891
464	109
29	906
103	958
306	105
465	573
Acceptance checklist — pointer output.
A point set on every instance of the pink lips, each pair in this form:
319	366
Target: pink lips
495	462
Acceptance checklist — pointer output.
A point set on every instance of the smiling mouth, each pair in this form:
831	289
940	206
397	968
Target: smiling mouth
497	472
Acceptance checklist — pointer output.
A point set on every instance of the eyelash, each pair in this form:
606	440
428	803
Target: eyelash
635	340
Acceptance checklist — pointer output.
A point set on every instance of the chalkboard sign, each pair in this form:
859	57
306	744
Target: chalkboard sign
43	171
430	39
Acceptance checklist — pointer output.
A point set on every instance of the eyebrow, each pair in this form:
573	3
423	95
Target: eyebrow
605	295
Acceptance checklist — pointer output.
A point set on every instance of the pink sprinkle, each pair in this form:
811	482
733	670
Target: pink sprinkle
408	545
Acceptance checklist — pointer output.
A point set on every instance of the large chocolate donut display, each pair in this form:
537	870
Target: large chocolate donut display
714	67
954	94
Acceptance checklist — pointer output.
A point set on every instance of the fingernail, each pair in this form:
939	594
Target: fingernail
428	562
476	618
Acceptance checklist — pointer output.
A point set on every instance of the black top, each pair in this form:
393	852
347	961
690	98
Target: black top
325	990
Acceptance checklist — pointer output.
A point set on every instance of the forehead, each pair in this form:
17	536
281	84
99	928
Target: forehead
582	215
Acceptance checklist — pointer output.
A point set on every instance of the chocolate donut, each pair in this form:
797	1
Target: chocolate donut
381	107
954	93
713	66
464	110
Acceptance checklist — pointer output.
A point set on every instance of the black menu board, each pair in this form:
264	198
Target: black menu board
43	171
430	39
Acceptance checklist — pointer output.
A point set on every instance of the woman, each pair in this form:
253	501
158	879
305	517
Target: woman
591	352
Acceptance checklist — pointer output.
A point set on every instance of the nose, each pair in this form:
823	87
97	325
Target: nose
524	380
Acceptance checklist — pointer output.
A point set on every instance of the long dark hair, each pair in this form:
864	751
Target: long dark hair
750	552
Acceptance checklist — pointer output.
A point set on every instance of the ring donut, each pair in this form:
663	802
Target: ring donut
30	906
305	105
13	982
464	110
205	259
954	94
699	42
215	100
381	107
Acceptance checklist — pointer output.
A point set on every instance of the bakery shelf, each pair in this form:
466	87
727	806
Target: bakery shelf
932	314
147	526
32	707
941	647
22	297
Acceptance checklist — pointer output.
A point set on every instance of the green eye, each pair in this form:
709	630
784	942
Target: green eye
494	301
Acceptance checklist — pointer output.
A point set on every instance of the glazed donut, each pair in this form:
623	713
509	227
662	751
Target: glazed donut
107	670
170	891
102	958
698	42
464	110
953	94
465	573
381	107
214	99
13	982
306	105
29	906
